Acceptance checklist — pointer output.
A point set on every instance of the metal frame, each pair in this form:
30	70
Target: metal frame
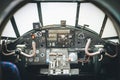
103	25
77	14
40	13
15	26
114	37
9	38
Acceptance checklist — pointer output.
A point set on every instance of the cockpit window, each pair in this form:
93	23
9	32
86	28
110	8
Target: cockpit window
9	29
92	16
25	17
53	13
110	31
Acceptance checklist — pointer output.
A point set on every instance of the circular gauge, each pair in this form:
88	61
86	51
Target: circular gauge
42	54
73	56
30	59
36	59
81	36
37	51
39	34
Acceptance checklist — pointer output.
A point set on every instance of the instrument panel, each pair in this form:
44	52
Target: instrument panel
71	39
58	48
60	38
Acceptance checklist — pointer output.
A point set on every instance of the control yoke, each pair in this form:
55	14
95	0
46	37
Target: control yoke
87	46
100	50
19	50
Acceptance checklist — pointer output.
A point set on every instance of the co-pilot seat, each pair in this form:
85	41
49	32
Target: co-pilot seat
9	71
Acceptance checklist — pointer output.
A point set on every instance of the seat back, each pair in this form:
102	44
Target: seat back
9	71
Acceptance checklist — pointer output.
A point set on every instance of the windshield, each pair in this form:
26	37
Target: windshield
75	14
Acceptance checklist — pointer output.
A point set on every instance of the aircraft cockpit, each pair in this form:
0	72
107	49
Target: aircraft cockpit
64	49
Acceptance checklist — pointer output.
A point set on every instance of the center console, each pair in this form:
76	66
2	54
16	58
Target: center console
59	63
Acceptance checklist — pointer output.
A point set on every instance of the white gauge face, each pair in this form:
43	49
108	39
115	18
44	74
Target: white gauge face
42	54
36	59
73	56
37	51
30	59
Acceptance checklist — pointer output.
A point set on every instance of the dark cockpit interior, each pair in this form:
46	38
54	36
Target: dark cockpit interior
61	39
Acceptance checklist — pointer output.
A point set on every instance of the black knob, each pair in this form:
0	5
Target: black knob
17	51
